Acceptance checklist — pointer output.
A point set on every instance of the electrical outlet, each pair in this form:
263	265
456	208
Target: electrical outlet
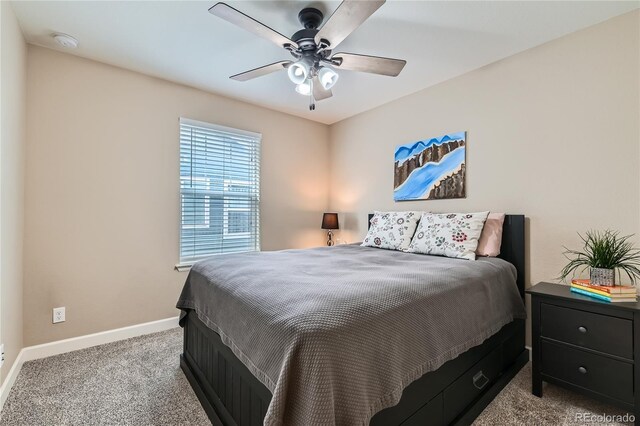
58	315
1	354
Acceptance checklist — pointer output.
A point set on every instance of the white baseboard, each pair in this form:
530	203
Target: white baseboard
530	351
82	342
95	339
10	379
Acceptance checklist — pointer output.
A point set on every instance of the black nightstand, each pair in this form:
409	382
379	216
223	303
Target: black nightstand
586	345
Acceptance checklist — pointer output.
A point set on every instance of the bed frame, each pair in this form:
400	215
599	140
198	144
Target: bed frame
455	393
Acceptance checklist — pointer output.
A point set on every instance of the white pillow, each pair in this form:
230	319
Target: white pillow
449	234
391	230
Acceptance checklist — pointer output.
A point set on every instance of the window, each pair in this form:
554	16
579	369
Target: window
195	211
219	190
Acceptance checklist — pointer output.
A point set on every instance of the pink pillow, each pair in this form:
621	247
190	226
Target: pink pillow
491	237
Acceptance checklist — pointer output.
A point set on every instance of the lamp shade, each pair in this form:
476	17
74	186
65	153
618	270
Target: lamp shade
327	77
330	221
298	71
304	88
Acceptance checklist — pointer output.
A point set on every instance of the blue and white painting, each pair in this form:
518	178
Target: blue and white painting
431	169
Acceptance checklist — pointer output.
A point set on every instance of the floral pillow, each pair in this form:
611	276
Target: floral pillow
449	234
391	230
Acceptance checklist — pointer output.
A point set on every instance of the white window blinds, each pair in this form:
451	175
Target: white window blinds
219	190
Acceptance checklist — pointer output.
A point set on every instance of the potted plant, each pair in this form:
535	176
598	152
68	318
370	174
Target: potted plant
603	253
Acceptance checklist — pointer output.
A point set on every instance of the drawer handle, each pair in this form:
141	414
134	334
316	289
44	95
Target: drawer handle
582	370
480	380
582	329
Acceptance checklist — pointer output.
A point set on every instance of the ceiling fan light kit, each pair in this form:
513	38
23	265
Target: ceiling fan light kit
304	88
328	77
299	71
312	47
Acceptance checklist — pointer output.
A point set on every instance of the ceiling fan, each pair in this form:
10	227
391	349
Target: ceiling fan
312	70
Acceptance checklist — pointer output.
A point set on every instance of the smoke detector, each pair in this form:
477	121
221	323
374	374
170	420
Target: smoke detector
65	40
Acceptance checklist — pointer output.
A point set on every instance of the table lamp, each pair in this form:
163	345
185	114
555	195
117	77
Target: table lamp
330	222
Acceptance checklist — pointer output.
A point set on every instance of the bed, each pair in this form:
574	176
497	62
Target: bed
375	345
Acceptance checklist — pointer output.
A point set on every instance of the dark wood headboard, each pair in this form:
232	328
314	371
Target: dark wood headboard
512	249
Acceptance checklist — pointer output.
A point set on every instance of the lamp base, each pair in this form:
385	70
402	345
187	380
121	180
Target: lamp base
329	238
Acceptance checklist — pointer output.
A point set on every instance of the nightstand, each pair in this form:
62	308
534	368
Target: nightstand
586	345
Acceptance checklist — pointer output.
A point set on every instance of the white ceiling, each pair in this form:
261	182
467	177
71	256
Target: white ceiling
182	42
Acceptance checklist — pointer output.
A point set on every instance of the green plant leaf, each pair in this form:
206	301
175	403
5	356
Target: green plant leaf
604	249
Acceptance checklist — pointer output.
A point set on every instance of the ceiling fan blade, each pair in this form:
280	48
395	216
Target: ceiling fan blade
349	15
238	18
319	93
259	72
371	64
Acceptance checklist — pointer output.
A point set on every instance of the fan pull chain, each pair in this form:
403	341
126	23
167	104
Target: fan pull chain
312	102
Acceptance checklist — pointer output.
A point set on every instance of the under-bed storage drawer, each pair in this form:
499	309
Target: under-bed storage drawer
597	373
594	331
429	415
470	385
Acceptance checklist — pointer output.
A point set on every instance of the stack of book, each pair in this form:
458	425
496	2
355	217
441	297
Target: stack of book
616	293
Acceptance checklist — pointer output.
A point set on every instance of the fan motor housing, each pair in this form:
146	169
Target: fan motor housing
310	18
305	39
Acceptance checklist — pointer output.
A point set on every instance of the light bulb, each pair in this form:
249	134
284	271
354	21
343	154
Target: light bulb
298	72
303	88
327	77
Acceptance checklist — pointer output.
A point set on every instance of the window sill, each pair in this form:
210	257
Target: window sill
183	267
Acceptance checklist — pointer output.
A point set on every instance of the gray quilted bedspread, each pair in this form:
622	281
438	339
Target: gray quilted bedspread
337	333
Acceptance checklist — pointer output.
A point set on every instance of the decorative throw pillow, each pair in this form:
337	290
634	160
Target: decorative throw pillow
449	234
491	237
391	230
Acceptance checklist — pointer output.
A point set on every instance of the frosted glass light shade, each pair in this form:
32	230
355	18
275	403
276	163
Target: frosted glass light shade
298	72
327	77
304	88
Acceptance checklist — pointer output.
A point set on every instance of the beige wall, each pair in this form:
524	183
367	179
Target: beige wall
552	133
102	156
13	91
102	190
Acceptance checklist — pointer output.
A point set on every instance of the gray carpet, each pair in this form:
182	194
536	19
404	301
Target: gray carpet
139	382
515	405
132	382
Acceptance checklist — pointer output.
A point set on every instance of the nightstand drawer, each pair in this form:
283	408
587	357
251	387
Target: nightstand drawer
597	373
594	331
